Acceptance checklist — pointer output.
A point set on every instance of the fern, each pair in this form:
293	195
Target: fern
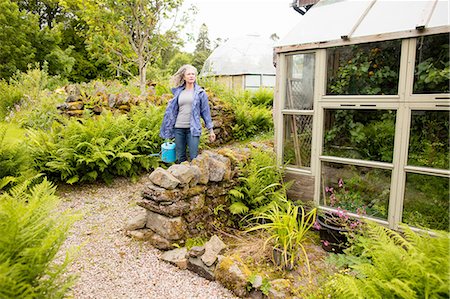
31	234
389	265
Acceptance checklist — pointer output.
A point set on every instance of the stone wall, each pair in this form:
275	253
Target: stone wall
179	202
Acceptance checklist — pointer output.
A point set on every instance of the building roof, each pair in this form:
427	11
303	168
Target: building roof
352	21
250	54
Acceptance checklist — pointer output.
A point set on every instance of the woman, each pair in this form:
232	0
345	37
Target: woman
182	117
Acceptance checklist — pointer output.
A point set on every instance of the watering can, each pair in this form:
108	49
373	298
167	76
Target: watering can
167	152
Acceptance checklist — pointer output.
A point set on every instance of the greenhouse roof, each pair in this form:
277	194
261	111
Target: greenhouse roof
354	21
250	54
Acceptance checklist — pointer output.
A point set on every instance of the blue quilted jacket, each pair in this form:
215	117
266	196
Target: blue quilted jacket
200	108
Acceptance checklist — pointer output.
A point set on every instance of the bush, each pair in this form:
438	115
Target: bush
110	145
386	264
260	184
251	121
31	234
14	158
9	97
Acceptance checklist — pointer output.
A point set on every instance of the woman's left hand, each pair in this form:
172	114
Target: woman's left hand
212	136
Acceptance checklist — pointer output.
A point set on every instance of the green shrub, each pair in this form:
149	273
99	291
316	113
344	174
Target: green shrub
260	184
251	121
14	158
110	145
31	234
9	96
262	97
386	264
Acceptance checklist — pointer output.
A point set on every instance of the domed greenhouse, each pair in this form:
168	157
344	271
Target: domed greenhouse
242	63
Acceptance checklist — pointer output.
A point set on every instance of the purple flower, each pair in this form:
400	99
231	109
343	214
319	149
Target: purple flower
332	199
329	189
325	242
316	225
340	183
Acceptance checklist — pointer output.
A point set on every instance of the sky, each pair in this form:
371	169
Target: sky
234	18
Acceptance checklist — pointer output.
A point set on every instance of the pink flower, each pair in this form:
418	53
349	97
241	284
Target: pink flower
329	189
340	183
325	243
316	225
332	199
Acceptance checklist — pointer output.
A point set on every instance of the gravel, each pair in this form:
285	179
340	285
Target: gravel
110	264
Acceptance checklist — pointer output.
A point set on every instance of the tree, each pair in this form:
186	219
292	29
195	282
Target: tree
203	43
202	48
16	31
127	33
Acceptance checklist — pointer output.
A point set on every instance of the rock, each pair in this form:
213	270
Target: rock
163	178
197	202
171	209
159	194
75	105
257	283
111	100
142	234
280	289
197	174
137	222
197	266
196	251
160	242
202	163
182	172
168	228
212	249
217	170
176	257
233	274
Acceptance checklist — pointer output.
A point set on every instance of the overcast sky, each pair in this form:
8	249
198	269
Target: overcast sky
233	18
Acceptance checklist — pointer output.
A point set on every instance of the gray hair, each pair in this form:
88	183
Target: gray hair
178	78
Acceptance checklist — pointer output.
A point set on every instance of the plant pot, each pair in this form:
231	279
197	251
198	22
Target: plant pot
333	237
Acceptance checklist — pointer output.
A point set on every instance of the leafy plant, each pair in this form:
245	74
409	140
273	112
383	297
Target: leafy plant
265	284
111	145
9	97
251	120
31	234
387	264
287	225
260	184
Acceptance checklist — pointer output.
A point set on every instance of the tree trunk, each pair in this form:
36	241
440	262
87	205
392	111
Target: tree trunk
142	74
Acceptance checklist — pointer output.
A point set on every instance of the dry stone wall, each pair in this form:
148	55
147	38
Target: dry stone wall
179	202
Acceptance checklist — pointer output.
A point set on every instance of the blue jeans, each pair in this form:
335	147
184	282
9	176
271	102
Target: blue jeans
184	138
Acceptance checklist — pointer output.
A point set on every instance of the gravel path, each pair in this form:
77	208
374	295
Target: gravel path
111	265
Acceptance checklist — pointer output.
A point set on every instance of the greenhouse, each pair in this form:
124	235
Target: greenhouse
362	110
242	63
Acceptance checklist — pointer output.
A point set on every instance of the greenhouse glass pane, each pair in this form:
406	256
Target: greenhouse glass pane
426	201
429	139
364	69
252	81
432	71
300	82
268	81
359	134
297	139
361	190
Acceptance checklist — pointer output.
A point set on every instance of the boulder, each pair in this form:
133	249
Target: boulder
167	208
202	163
137	222
232	273
163	178
212	249
176	257
196	251
280	289
182	172
197	266
167	227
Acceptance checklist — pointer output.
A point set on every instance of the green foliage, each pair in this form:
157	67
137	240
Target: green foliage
260	184
370	69
9	97
251	121
198	241
31	234
14	158
387	264
287	225
265	284
87	149
262	97
16	34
